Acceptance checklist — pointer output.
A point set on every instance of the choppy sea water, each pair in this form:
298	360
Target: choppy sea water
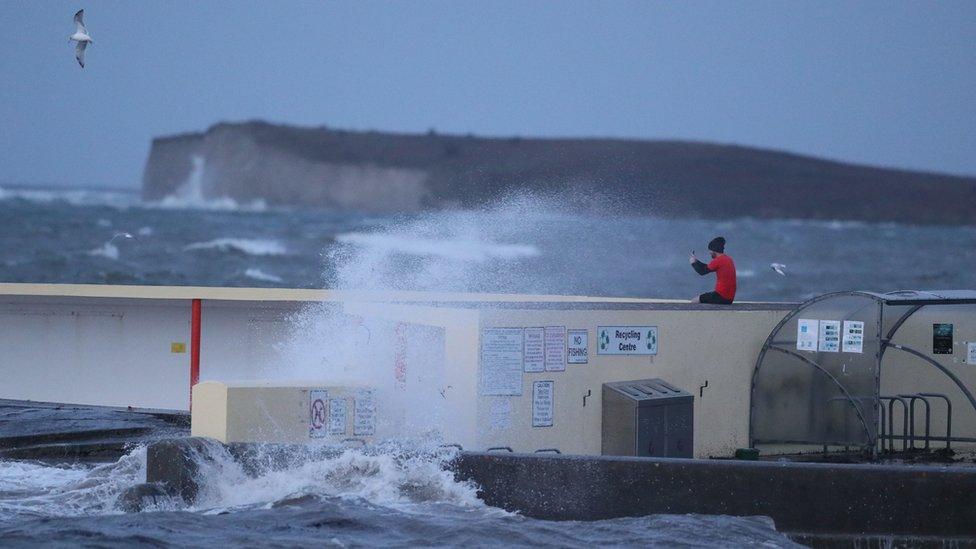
353	499
522	245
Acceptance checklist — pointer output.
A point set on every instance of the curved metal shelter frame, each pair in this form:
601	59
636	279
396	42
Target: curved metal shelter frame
823	387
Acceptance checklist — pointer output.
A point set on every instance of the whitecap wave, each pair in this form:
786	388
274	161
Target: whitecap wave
258	274
392	474
249	246
225	203
109	250
447	248
35	489
75	197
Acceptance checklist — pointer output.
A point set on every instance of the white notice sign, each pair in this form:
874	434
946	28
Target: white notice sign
535	350
337	416
364	413
542	403
971	352
829	336
577	351
555	348
853	336
500	414
626	340
807	334
501	361
317	412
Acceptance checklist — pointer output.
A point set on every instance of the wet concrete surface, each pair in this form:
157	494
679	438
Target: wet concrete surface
53	431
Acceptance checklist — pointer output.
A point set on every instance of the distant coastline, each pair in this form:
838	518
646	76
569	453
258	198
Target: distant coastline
387	172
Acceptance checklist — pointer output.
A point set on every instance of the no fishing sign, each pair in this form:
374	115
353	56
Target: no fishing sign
317	413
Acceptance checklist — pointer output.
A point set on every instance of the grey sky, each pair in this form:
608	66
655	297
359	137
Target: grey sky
881	83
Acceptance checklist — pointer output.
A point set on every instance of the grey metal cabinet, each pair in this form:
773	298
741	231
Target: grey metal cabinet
647	417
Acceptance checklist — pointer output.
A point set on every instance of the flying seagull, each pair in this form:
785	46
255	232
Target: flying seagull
123	235
778	267
80	36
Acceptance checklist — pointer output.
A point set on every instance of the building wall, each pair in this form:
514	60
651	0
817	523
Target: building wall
695	347
95	351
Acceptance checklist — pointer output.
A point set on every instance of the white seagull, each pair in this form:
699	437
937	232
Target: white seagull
80	36
778	267
123	235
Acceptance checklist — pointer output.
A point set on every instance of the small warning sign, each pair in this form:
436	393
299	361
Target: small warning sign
177	347
364	413
317	412
337	416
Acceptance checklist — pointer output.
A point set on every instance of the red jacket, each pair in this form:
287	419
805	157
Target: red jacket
724	269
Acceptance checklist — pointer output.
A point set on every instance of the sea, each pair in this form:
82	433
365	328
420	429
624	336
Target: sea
521	243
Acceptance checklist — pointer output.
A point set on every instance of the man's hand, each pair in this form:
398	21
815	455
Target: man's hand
692	259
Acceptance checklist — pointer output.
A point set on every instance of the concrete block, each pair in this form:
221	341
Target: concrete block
262	411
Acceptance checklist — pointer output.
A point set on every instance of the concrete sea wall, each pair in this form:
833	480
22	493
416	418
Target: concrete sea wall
851	501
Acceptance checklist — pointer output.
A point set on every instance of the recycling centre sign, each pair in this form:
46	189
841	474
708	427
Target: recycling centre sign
626	340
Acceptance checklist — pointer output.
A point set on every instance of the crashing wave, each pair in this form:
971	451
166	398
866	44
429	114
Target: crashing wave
447	248
249	246
258	274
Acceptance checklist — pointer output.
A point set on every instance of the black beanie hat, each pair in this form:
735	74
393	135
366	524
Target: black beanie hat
717	245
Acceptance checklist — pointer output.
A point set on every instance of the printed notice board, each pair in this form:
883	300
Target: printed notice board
542	403
626	340
829	336
364	413
853	336
807	334
534	343
942	339
555	348
337	416
577	351
501	361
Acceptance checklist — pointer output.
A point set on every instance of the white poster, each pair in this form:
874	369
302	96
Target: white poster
971	352
555	348
577	350
829	336
317	412
534	359
542	398
627	340
853	336
337	416
501	361
807	334
364	413
499	414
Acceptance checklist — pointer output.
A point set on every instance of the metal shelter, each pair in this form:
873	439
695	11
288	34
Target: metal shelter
817	379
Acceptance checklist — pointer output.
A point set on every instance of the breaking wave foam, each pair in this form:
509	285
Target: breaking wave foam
447	248
249	246
225	203
258	274
29	489
74	197
392	474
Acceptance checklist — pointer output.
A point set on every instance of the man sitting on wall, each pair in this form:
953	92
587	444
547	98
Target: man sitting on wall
724	270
